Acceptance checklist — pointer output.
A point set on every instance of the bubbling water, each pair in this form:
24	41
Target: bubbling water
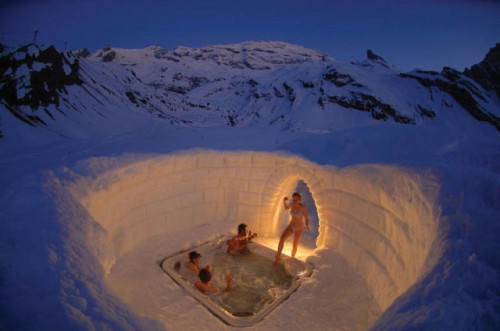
256	281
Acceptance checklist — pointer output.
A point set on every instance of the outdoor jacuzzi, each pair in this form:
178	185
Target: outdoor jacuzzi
258	285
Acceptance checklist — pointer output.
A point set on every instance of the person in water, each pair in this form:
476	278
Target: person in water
239	242
298	212
204	285
194	262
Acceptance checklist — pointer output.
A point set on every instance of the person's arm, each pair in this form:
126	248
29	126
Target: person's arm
306	216
285	199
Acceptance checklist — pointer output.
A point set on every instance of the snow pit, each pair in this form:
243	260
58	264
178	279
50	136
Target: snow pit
259	285
380	219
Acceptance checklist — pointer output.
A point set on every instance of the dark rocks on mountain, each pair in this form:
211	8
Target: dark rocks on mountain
160	53
252	82
427	72
290	92
196	81
365	102
487	72
277	93
195	105
178	89
261	95
130	95
307	84
45	84
231	118
82	52
370	55
108	57
456	85
457	77
340	79
424	112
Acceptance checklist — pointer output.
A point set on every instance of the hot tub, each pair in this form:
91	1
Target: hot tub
259	286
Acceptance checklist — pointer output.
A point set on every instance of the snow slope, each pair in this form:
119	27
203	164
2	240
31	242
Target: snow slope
244	85
408	214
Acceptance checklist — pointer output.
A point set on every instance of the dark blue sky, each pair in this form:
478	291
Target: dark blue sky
427	34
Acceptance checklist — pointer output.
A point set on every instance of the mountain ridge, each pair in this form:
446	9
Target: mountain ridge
249	84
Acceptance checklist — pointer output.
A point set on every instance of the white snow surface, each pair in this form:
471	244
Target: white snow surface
407	215
407	226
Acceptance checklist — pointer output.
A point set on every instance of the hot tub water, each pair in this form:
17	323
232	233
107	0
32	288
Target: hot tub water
258	285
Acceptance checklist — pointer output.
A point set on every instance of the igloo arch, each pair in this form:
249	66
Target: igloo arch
381	219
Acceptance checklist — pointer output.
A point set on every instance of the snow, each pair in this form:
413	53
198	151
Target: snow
407	215
98	245
37	66
67	69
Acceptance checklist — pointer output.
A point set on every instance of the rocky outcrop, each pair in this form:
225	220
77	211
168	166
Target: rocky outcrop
371	56
109	56
368	103
82	52
487	72
35	77
460	89
340	79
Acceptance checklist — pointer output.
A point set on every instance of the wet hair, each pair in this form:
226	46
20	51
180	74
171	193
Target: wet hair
205	275
193	255
241	228
298	195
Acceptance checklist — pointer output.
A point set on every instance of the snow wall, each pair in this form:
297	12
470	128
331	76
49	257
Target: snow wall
381	219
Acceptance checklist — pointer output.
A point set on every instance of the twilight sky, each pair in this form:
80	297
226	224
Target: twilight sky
426	34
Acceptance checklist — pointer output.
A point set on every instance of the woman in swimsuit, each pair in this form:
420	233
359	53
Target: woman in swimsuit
194	261
298	212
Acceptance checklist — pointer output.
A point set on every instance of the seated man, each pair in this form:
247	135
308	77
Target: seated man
239	242
203	284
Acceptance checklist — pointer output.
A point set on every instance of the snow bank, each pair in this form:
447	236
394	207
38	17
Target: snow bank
381	219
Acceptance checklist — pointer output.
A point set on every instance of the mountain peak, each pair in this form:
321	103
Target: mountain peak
257	55
253	54
371	56
487	72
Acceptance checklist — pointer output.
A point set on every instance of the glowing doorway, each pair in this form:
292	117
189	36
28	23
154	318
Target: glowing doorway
282	218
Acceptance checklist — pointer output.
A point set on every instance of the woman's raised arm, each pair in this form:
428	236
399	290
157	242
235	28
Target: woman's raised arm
285	199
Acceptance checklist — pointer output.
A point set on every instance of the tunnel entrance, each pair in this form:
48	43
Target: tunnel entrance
309	238
308	242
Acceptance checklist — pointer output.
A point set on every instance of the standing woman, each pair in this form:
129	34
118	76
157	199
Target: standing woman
298	212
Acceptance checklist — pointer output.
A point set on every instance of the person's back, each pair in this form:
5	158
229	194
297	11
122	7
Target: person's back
203	283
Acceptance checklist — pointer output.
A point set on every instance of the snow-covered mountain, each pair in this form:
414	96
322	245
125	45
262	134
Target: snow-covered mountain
249	84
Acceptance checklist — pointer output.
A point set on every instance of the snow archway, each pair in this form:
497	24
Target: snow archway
381	219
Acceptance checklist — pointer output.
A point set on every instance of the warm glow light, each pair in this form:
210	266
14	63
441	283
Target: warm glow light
381	219
303	252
